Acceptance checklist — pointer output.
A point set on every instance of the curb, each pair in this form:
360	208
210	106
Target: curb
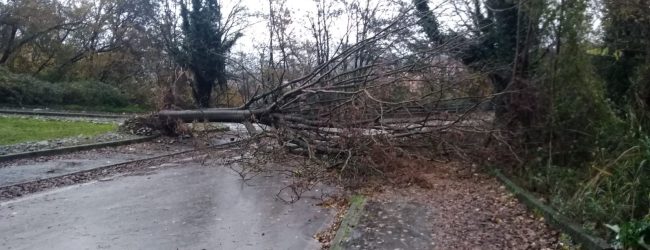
62	114
351	219
71	149
553	217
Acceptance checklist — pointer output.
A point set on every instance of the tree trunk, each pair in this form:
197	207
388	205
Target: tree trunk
10	44
202	91
500	81
215	115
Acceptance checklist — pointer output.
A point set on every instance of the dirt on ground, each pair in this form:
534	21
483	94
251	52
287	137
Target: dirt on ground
468	209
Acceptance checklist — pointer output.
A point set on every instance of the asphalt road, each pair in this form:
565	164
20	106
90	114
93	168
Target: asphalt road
184	205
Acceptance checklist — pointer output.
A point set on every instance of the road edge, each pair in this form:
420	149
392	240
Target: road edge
71	149
553	217
351	219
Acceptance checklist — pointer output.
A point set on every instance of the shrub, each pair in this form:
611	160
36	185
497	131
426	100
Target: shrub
633	235
24	90
92	93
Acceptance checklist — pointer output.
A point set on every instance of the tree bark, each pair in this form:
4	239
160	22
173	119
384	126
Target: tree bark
10	44
215	115
500	82
202	91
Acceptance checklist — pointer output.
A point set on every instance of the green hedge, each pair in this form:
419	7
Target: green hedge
24	90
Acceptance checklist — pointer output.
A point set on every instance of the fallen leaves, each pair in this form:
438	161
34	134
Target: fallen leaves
473	211
340	206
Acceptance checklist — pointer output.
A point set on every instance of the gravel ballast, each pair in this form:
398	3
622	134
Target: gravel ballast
14	191
99	120
171	149
63	142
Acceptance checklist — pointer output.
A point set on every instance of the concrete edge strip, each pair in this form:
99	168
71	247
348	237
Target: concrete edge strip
101	168
62	114
553	217
76	148
351	219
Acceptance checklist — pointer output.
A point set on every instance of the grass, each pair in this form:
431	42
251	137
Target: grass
610	188
17	130
351	219
131	109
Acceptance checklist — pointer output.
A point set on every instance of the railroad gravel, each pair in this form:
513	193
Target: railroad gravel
134	167
163	144
171	148
98	120
63	142
157	152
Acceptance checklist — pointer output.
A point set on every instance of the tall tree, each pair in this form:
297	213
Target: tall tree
627	42
206	42
507	38
428	21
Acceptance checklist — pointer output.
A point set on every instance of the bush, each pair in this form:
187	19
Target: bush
24	90
632	235
592	160
91	93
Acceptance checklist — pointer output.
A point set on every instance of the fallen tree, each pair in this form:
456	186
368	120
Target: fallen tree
400	99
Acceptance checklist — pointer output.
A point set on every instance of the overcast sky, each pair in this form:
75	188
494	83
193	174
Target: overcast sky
301	10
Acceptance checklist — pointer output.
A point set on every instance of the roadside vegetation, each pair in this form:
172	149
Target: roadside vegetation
585	138
17	130
20	90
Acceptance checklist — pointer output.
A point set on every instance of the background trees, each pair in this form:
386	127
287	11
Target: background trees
207	40
624	56
64	41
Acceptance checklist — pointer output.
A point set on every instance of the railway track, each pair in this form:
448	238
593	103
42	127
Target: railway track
74	148
61	113
12	191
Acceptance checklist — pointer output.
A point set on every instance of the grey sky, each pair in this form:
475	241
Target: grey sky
256	32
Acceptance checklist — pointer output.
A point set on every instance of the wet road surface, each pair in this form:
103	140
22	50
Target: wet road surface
185	206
